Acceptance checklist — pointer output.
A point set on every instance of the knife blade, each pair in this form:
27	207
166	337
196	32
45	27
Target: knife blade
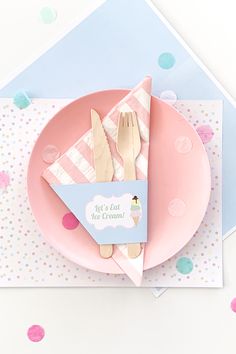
102	163
101	152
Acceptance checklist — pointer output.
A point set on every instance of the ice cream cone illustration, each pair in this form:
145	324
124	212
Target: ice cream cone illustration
136	219
135	210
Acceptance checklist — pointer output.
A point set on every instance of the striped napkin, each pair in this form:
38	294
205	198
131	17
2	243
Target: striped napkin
76	164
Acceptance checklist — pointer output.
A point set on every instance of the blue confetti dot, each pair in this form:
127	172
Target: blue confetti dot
184	265
21	100
166	60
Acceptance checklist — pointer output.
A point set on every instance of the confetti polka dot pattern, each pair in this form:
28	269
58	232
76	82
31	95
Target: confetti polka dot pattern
183	144
176	207
206	133
184	265
69	221
35	333
166	61
48	15
50	154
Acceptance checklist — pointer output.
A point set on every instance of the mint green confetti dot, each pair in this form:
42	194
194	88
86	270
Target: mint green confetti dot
48	15
21	100
166	61
184	265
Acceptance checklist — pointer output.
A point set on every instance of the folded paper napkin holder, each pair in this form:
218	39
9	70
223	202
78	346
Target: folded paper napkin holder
112	212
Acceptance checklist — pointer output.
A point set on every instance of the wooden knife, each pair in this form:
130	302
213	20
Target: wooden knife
102	162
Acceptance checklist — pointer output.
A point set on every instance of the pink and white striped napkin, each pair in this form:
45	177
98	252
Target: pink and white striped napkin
76	164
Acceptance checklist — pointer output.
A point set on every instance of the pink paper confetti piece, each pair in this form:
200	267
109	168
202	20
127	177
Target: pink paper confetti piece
233	305
35	333
69	221
50	154
206	133
4	180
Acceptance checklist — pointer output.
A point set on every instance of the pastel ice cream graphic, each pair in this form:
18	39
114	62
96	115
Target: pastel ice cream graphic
135	210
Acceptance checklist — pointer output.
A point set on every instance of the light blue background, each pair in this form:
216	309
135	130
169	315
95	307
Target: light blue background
76	196
112	49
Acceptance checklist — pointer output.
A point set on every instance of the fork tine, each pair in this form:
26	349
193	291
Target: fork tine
136	131
134	119
129	114
131	119
121	119
126	119
129	122
120	124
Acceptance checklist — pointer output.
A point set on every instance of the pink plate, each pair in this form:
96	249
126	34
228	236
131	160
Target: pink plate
179	182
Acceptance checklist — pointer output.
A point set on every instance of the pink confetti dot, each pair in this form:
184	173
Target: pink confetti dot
206	133
183	144
4	180
233	305
35	333
69	221
176	207
50	154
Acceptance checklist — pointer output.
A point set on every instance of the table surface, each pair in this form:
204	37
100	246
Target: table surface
121	320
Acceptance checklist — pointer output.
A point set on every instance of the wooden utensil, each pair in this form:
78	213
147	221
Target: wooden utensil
102	163
128	145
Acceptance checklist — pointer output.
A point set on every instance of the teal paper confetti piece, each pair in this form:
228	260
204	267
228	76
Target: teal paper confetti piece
184	265
166	61
48	15
21	100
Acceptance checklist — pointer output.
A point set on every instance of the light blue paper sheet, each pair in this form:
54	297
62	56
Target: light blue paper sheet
109	50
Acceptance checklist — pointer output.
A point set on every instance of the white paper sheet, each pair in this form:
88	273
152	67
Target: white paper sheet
27	260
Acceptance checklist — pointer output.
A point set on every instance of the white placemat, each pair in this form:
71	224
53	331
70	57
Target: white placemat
26	259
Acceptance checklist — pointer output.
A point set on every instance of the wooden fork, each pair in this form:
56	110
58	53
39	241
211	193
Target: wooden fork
128	146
